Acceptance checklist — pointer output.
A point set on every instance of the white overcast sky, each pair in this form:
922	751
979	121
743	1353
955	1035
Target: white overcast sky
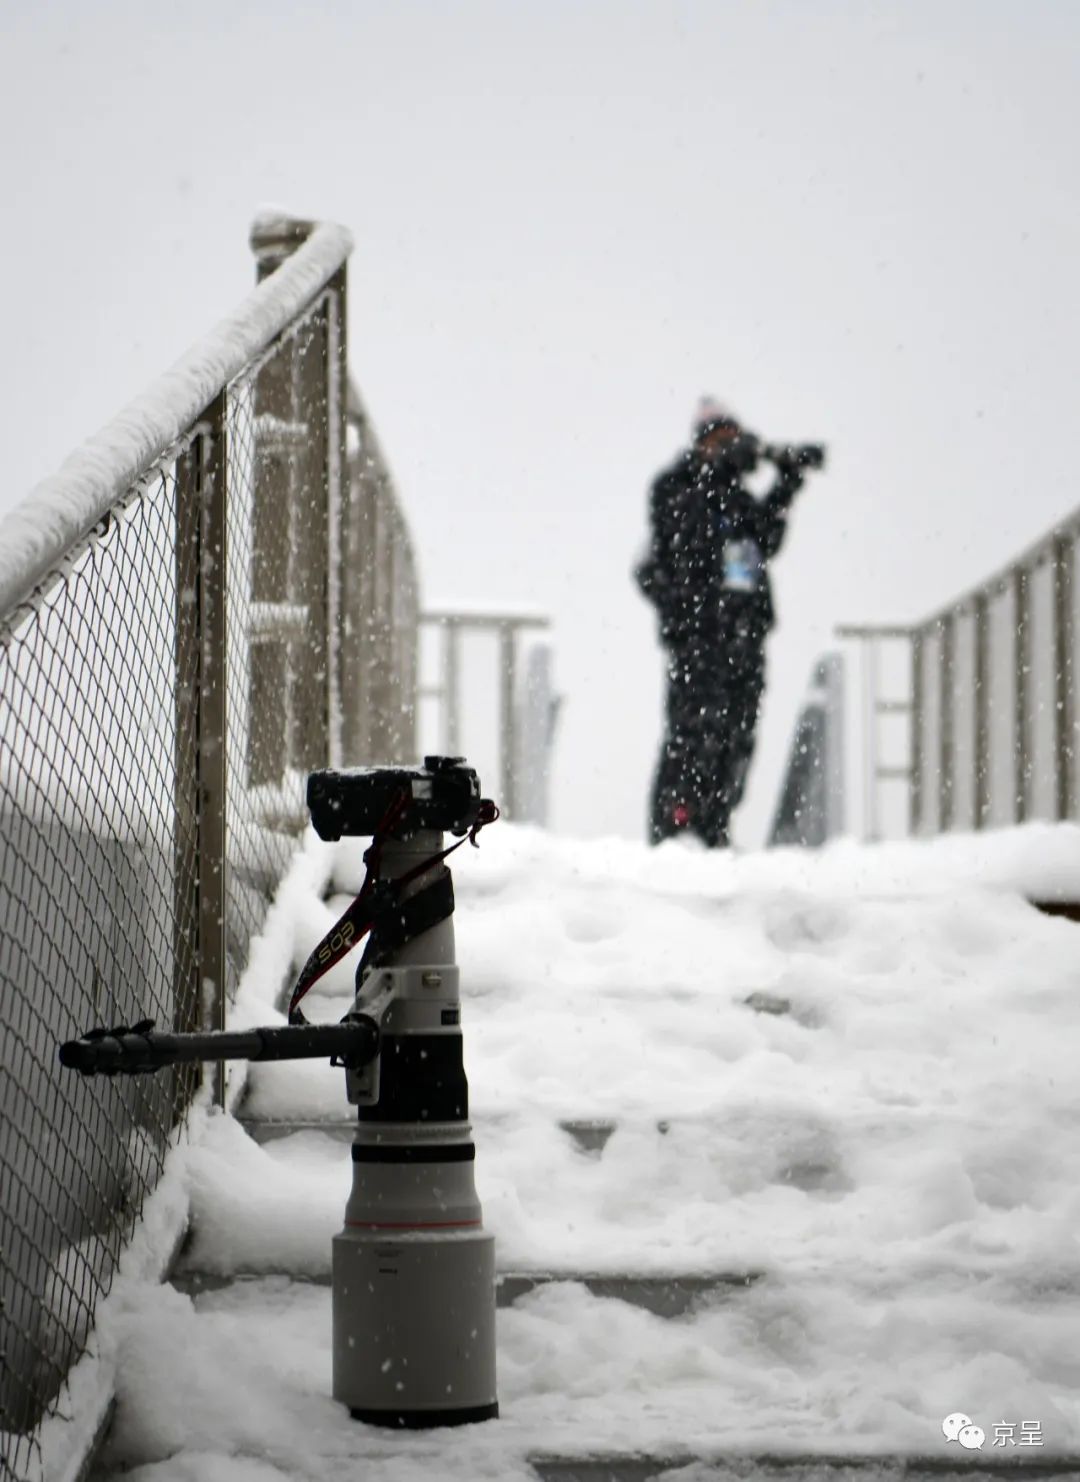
856	223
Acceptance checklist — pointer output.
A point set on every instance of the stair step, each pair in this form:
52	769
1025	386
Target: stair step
667	1296
590	1133
748	1467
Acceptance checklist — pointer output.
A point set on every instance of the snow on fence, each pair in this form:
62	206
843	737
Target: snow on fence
172	610
988	701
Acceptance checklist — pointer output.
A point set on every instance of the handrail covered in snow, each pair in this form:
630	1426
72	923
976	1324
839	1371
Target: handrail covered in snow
62	509
174	609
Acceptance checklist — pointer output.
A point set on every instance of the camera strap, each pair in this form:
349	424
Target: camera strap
378	906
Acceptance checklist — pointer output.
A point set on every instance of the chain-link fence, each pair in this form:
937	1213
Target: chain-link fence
169	673
95	892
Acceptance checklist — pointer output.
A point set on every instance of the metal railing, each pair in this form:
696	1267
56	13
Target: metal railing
181	640
810	809
381	604
526	712
991	693
884	699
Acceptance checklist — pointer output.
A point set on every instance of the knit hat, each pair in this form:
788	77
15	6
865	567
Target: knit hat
712	414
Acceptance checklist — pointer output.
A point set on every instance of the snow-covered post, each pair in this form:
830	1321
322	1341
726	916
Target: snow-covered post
200	849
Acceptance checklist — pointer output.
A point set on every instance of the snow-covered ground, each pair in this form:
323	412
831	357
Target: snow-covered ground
897	1153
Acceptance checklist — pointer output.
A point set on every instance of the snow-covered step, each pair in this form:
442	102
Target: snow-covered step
664	1296
589	1389
670	1296
740	1466
591	1134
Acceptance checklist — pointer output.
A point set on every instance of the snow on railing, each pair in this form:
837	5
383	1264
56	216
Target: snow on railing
65	507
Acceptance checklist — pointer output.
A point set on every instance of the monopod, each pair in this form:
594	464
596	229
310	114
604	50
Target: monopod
413	1268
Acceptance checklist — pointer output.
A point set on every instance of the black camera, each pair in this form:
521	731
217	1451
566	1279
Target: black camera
794	455
443	794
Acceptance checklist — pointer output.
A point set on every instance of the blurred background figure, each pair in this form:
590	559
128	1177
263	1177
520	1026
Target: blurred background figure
706	574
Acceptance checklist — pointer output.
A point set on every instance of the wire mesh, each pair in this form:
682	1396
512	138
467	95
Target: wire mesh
104	863
280	448
92	906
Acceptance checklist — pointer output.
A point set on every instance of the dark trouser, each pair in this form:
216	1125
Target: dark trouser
712	708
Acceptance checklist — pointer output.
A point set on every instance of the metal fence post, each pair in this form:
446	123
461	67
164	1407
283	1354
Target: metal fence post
451	686
213	730
870	702
358	593
1021	716
982	711
833	684
508	718
917	780
947	747
310	526
187	810
339	495
200	847
1064	701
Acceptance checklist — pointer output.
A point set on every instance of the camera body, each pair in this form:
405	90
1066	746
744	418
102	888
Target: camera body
444	795
745	451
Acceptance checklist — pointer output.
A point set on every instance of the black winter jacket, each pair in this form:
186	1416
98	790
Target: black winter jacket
710	539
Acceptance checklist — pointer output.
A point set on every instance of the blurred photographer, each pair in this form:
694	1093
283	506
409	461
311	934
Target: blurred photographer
706	574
